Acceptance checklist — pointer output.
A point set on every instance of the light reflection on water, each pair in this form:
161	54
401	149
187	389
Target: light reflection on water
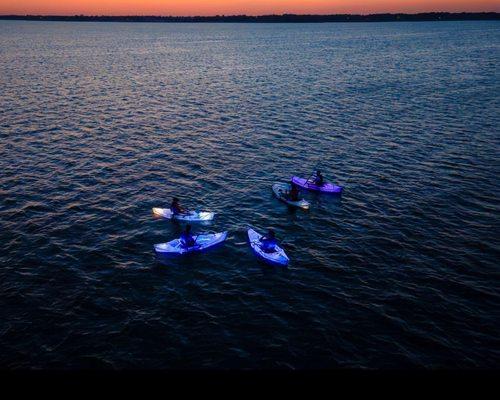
101	122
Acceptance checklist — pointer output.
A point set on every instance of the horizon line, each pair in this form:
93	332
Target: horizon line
251	15
434	16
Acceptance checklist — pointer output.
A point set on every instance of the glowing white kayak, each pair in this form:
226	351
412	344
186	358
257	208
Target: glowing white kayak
202	242
281	189
192	216
277	257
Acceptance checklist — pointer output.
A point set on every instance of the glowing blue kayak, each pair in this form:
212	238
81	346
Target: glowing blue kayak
278	257
202	242
191	216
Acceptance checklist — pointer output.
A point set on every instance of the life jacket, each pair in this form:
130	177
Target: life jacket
319	181
187	240
268	245
175	209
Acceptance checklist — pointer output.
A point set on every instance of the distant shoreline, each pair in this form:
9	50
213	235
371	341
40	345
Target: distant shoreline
285	18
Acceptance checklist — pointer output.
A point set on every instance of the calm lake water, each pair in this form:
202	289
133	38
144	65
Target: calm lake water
100	122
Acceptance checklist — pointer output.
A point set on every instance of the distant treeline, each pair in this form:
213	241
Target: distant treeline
435	16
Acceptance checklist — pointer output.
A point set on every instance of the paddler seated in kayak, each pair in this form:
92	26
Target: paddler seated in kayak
318	179
176	208
186	238
268	243
293	194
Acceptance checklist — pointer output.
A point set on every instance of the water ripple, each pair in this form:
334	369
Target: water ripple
100	122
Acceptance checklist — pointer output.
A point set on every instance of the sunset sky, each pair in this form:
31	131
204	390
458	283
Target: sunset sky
250	7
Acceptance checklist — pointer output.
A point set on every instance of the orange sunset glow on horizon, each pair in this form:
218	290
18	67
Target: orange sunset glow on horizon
234	7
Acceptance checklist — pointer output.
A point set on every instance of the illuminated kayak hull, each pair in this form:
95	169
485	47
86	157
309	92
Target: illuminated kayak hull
191	216
280	190
326	188
203	242
277	257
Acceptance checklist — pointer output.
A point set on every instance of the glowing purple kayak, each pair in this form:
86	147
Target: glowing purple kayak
326	188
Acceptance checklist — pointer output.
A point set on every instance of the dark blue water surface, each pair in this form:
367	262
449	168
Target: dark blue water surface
100	122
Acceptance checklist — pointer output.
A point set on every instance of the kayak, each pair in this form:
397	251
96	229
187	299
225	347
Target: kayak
192	216
278	257
280	190
202	242
326	188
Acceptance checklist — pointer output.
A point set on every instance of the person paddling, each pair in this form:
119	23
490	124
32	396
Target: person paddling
293	194
186	238
268	243
176	208
318	179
